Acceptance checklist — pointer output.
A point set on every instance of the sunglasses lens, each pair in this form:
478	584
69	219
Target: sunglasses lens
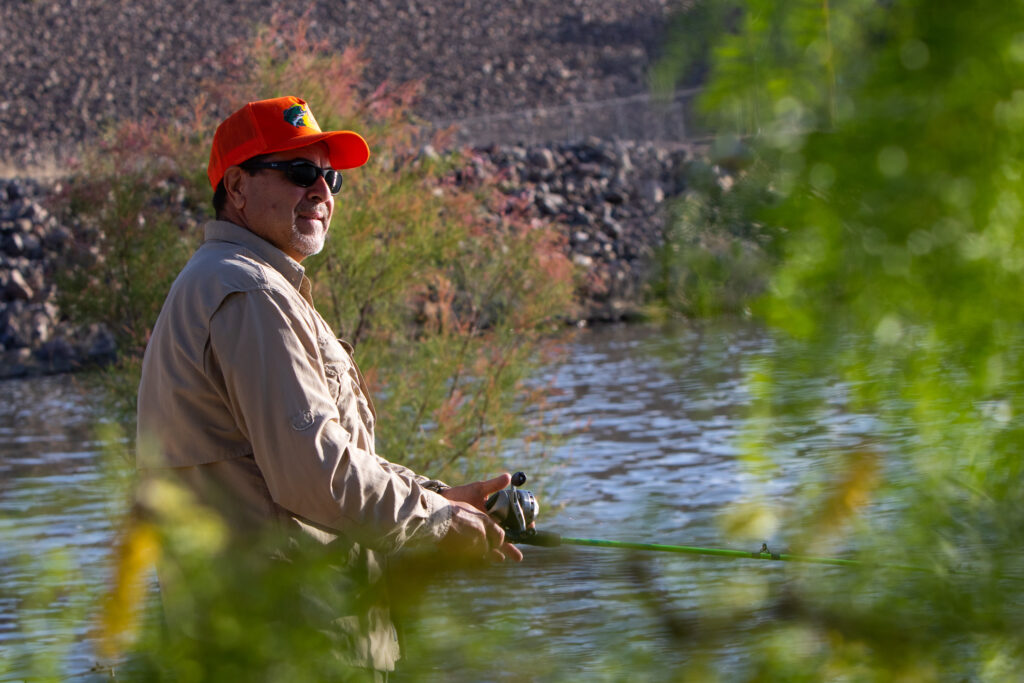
303	175
333	179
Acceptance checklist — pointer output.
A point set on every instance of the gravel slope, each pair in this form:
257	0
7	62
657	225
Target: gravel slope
68	66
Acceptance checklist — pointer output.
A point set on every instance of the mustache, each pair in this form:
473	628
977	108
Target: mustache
318	211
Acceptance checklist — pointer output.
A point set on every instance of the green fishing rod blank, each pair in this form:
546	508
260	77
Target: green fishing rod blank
550	539
717	552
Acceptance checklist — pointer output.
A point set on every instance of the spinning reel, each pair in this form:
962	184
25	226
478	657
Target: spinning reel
515	510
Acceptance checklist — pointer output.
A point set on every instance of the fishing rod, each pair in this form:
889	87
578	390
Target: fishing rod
549	539
516	511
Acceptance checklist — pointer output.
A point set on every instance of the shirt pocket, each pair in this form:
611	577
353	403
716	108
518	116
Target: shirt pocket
336	367
354	409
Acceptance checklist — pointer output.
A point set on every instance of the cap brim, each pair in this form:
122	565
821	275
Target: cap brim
346	149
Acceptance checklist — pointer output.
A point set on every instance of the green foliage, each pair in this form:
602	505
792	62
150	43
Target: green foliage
693	30
716	255
230	611
779	68
893	133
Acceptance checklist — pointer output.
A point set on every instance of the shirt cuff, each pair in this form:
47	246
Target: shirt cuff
438	521
435	485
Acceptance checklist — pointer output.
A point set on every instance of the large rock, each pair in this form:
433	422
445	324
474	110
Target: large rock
17	287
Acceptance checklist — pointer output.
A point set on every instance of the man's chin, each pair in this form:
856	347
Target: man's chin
308	245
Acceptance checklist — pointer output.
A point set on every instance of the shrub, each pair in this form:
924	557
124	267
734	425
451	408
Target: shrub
445	331
717	252
892	135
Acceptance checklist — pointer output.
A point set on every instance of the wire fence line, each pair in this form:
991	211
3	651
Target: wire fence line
643	118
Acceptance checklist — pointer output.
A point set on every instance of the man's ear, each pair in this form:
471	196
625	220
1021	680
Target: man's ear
234	186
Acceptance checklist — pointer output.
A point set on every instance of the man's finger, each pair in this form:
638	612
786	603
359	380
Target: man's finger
512	552
477	492
494	485
495	535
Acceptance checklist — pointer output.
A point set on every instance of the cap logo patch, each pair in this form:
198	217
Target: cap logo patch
297	116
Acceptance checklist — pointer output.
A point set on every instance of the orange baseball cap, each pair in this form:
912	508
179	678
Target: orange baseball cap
277	125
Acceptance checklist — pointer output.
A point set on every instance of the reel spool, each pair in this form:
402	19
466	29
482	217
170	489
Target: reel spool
514	509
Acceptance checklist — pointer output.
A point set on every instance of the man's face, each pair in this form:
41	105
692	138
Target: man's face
294	219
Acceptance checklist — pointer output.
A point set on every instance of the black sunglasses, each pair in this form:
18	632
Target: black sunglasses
301	172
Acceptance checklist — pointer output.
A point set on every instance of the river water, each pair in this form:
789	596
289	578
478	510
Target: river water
649	419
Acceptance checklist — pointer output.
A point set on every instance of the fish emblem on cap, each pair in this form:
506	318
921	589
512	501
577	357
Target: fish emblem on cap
297	116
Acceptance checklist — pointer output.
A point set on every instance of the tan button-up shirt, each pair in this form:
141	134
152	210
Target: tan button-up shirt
249	399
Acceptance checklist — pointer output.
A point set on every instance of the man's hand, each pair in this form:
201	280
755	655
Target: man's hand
473	533
476	494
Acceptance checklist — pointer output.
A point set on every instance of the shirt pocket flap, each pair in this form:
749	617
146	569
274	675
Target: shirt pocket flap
332	352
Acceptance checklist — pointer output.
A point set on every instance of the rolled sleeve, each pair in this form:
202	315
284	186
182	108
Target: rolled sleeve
267	351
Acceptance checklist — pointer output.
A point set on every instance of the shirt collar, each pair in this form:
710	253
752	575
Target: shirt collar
291	269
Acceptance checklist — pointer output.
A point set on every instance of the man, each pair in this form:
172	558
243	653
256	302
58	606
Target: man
250	400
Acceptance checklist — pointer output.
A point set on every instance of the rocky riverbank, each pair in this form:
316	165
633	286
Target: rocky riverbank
608	197
35	336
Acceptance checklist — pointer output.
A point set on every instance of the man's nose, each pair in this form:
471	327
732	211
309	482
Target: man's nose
319	189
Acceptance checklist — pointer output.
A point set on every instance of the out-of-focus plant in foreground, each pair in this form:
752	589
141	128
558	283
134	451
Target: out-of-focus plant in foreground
717	254
893	134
